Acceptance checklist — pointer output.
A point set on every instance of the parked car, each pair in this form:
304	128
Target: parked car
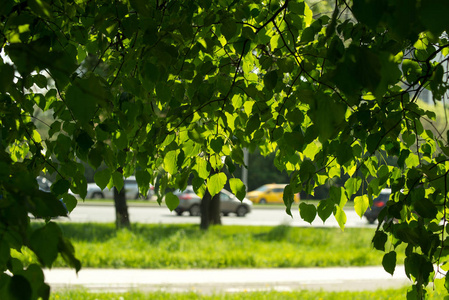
44	184
189	201
379	203
130	186
269	193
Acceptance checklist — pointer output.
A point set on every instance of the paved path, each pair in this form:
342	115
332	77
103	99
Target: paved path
228	280
259	216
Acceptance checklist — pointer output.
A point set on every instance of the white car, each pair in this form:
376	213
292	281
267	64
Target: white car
130	186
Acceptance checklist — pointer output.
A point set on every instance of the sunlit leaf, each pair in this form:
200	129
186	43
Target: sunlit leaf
361	204
237	188
216	183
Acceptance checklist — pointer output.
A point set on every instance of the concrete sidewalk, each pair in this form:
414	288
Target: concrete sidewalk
228	280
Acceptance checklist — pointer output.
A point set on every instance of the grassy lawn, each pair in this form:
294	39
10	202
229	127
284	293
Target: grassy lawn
390	294
185	246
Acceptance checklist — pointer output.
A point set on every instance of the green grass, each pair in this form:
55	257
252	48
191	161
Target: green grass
390	294
185	246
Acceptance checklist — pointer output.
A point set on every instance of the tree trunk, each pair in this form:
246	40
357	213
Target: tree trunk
210	211
121	210
214	211
204	208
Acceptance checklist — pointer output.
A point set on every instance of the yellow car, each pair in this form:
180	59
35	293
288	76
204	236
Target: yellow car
269	193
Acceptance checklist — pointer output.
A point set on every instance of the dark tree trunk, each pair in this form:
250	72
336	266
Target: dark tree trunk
204	208
210	209
121	210
214	211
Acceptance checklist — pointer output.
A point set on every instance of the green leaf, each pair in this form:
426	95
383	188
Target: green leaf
433	13
389	262
237	188
308	35
143	179
216	183
307	212
19	288
288	198
418	266
202	168
344	153
425	208
446	283
60	187
352	186
171	201
171	162
340	216
68	254
296	7
217	144
44	242
270	80
338	196
95	158
102	178
379	240
361	204
83	96
117	179
70	201
7	76
41	8
253	124
120	140
46	205
325	209
229	29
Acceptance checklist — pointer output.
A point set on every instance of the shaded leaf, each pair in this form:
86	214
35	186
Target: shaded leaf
307	212
83	96
60	187
325	209
270	80
70	202
102	178
44	242
117	179
171	201
19	288
379	240
389	262
288	198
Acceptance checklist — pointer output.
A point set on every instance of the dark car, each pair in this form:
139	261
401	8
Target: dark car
378	204
189	201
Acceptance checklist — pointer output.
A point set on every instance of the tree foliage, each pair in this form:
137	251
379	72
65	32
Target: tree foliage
178	85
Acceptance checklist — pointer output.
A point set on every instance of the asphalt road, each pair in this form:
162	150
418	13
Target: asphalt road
268	216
